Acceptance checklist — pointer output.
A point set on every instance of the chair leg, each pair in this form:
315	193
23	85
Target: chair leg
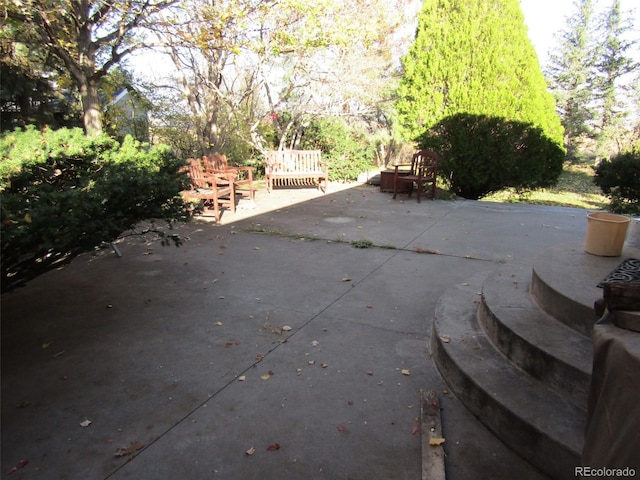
216	210
232	198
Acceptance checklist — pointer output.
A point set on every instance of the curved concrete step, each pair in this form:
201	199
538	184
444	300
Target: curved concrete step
565	282
533	420
539	344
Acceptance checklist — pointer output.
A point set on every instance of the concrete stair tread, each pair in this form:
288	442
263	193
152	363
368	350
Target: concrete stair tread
534	420
538	343
565	282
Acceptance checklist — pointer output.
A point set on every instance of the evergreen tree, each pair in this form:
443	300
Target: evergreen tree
473	57
612	66
570	74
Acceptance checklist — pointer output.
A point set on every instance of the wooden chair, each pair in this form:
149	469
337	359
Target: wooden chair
243	176
423	172
212	189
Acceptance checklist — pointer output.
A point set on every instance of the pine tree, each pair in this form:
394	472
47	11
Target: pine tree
570	74
473	57
612	66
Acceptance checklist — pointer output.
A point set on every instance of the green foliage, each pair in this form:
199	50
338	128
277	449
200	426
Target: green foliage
481	154
619	179
127	116
473	57
347	151
64	193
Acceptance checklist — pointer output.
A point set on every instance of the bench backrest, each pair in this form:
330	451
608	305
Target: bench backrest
294	161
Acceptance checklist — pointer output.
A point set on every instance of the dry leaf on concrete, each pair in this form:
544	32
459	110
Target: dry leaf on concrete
130	449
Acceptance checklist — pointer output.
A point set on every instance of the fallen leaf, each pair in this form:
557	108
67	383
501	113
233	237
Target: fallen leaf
323	365
315	343
266	376
46	345
445	338
415	429
251	451
286	328
436	441
273	447
406	371
346	279
219	324
130	449
18	466
242	378
85	423
369	372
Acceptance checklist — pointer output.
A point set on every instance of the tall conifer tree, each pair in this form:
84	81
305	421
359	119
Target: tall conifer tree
570	73
473	56
612	67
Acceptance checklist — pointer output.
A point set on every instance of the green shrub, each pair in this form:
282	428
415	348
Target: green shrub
619	179
64	193
347	152
482	155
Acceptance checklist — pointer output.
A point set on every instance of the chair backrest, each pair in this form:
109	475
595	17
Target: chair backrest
424	163
195	172
215	161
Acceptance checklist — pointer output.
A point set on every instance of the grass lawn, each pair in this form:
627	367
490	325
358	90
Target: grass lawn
575	188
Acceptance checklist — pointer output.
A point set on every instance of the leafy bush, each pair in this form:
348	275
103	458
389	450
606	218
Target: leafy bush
482	155
619	179
64	193
347	152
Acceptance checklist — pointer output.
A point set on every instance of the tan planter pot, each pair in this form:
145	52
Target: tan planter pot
606	233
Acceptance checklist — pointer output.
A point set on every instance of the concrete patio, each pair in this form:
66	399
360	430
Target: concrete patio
270	333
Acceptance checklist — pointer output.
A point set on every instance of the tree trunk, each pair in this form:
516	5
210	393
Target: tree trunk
91	107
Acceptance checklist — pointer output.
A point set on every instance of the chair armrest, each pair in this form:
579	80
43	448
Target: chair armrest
241	169
215	176
396	168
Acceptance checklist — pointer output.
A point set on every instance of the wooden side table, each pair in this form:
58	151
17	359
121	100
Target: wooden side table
386	182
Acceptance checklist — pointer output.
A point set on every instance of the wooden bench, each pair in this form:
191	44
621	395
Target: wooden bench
296	167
